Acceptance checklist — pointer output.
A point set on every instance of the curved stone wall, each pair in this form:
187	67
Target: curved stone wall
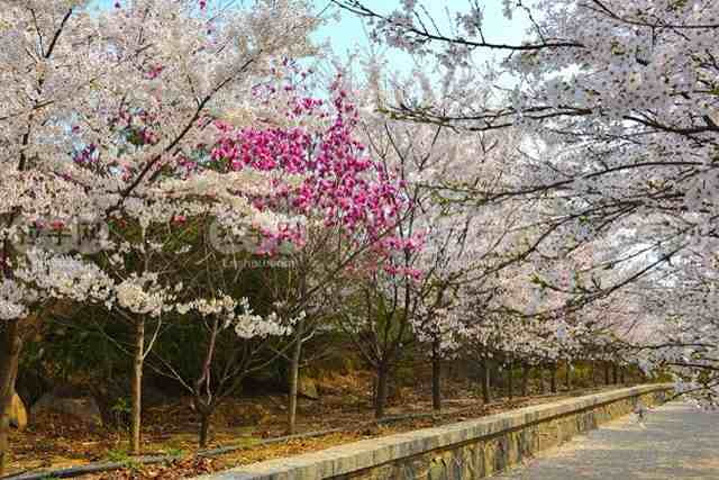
461	451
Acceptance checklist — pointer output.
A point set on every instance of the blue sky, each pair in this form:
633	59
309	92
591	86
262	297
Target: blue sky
349	33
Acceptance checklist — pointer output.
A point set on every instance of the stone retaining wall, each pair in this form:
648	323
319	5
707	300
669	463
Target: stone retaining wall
461	451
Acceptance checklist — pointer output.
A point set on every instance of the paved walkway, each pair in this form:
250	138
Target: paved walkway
677	441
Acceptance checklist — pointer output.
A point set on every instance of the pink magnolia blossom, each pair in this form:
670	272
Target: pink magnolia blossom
340	183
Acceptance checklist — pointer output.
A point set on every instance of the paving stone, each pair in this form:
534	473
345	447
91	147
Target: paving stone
675	442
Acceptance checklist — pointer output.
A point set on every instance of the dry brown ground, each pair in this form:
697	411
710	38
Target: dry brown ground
55	442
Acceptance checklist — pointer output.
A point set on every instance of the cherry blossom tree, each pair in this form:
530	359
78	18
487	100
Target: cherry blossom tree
624	98
461	242
251	333
666	325
99	112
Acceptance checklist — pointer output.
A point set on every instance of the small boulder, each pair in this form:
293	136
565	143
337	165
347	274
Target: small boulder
18	414
84	409
307	387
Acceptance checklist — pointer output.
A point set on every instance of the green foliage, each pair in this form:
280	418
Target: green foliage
77	346
121	410
175	452
119	455
121	406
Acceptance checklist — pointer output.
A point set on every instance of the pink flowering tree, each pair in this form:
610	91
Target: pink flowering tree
335	200
123	92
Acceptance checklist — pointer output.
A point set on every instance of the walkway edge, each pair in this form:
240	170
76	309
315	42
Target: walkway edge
478	447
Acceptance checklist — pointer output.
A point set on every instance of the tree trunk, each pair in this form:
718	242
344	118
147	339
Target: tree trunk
542	388
606	373
615	377
295	378
486	381
510	381
136	407
568	375
380	398
205	414
622	377
9	359
593	370
525	379
553	380
436	374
